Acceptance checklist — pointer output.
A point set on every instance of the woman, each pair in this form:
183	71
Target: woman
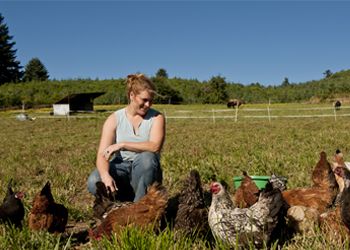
133	137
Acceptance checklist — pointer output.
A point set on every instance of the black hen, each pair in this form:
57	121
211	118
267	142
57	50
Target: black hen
192	214
105	201
12	210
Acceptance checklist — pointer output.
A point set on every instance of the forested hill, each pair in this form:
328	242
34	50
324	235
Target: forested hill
178	90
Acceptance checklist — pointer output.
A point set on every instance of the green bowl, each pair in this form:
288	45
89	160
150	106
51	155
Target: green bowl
260	181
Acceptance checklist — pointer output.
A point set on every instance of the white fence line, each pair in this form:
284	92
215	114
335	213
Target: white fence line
269	111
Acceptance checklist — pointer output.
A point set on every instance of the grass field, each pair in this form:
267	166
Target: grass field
63	151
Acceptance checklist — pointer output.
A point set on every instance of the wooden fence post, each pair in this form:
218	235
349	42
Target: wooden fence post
236	116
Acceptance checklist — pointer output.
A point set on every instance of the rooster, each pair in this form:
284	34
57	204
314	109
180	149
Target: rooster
12	209
143	213
247	193
46	214
192	214
241	226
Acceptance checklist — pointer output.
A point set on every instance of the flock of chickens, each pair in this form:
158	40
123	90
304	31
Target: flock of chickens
248	217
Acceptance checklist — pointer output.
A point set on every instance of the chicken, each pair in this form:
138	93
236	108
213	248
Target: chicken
303	220
46	214
322	194
345	198
192	214
336	223
278	181
105	201
244	226
143	213
12	209
247	193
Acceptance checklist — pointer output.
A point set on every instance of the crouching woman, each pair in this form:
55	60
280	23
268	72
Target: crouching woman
128	158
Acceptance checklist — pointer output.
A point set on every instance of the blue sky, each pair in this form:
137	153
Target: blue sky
243	41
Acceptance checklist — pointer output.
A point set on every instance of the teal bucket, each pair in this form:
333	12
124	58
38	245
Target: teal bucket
260	181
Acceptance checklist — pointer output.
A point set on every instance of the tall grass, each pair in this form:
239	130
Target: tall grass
63	151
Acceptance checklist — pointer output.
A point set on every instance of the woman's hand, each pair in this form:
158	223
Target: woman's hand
107	153
109	182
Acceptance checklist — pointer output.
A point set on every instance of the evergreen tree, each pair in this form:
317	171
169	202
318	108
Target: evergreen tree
161	73
285	82
328	73
35	71
10	69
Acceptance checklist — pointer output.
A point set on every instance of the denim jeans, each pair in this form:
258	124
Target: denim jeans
132	178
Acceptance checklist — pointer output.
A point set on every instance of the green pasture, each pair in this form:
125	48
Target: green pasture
63	151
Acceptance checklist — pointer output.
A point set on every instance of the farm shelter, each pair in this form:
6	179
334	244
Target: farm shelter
82	102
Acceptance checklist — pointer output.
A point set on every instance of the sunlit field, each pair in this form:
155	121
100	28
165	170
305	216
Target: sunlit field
63	150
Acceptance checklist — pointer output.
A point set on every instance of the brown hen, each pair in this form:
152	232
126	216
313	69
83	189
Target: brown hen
247	193
143	213
323	192
46	214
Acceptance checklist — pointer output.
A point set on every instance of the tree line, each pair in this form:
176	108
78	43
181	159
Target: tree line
32	86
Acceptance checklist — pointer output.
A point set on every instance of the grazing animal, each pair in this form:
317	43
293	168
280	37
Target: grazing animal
143	213
234	102
12	209
46	214
241	226
192	214
337	105
247	193
105	201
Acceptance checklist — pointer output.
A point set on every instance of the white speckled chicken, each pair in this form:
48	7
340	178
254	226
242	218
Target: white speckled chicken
244	226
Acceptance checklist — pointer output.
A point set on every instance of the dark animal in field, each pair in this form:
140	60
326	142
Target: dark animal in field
144	213
105	201
235	102
192	213
247	193
46	214
12	209
240	227
337	105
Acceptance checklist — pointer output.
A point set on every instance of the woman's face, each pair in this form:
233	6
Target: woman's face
142	101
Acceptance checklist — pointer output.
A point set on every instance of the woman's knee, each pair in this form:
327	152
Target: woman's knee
148	160
147	165
91	183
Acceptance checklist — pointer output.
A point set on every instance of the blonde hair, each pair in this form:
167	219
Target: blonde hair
139	82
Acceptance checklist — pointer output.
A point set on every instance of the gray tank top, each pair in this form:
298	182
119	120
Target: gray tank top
125	131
